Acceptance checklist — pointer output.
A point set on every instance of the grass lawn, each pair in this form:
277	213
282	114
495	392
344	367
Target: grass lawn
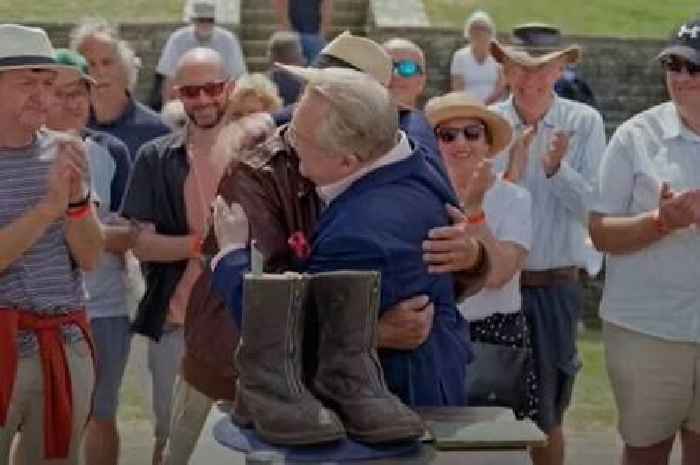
71	11
593	408
622	18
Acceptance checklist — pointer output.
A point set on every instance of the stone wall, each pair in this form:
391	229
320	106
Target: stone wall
623	73
146	39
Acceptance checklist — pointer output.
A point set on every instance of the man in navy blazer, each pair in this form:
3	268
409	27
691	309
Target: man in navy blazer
382	198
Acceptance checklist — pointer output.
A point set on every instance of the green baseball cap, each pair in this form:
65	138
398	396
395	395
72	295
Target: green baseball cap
72	60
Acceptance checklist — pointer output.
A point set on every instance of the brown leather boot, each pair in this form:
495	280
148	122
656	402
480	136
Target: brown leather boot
270	394
350	378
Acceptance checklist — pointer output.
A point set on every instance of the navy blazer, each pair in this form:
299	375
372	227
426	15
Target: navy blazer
380	223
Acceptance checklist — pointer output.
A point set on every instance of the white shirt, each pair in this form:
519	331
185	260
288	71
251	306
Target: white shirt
655	291
184	39
479	78
508	216
401	151
560	203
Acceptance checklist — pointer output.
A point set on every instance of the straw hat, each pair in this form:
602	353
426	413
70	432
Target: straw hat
462	105
23	47
536	44
362	54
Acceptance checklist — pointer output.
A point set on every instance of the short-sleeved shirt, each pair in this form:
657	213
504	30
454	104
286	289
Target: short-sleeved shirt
479	78
109	171
156	195
656	290
305	15
184	39
560	203
508	217
136	126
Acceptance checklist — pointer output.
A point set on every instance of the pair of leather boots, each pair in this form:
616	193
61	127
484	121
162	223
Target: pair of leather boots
350	397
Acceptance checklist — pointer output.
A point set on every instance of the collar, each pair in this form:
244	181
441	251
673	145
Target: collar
674	127
547	120
400	152
127	113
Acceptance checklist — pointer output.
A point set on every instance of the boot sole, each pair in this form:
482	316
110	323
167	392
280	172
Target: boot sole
297	439
294	439
386	435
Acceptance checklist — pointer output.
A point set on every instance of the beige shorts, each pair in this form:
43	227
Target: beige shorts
656	384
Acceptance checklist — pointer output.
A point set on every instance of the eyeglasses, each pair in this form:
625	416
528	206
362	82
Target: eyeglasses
211	89
471	133
407	69
675	64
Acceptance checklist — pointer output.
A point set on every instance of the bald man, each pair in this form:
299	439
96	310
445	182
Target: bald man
172	185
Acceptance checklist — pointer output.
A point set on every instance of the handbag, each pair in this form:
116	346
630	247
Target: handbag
497	376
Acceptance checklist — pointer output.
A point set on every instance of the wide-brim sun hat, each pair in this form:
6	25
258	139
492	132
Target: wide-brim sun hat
23	47
535	44
462	105
361	54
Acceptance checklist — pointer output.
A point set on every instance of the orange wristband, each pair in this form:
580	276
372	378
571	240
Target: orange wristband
79	213
477	218
196	246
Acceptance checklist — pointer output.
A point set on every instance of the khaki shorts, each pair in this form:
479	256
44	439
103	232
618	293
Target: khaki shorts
656	384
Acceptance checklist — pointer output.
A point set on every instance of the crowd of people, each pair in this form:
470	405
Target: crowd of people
481	212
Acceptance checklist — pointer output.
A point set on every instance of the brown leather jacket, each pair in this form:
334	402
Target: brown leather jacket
278	202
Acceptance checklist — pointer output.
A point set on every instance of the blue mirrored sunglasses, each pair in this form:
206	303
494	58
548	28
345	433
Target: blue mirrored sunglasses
407	68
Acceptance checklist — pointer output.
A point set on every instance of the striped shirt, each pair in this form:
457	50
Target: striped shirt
44	278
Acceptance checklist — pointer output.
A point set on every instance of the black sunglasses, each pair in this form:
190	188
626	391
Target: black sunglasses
211	89
471	133
676	65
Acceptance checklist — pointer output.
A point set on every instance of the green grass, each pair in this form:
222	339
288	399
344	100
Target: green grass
71	11
593	407
620	18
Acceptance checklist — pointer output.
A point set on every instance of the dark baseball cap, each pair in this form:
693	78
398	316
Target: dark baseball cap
685	43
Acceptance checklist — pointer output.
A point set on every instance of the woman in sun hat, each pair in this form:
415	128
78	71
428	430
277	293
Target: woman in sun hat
498	213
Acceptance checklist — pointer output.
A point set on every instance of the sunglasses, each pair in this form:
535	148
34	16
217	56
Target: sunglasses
471	133
211	89
676	65
407	68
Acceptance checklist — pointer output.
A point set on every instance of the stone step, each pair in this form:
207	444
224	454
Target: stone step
353	17
264	31
338	5
257	64
254	48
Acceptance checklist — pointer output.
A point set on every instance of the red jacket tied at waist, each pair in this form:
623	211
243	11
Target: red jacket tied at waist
58	400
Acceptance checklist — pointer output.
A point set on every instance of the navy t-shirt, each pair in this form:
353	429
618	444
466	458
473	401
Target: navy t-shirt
136	126
305	15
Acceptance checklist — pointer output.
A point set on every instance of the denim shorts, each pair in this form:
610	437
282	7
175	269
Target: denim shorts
112	342
552	313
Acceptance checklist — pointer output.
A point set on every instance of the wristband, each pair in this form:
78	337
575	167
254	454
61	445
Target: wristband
659	224
80	203
477	218
79	213
196	246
